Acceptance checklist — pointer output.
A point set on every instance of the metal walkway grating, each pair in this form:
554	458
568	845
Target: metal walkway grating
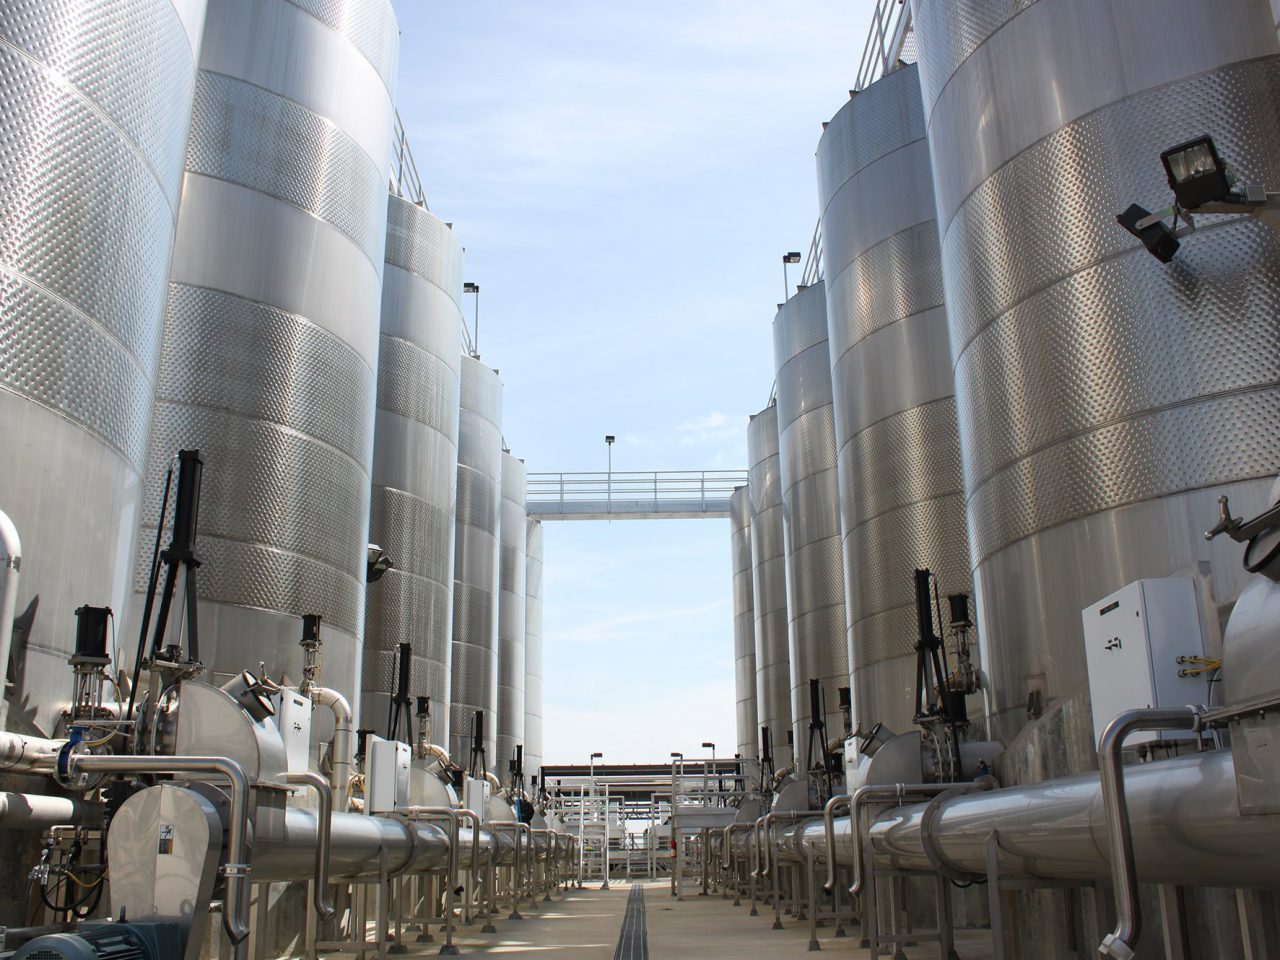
633	943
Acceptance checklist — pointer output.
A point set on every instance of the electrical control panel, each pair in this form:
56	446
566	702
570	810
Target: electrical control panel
475	797
293	718
386	779
1133	641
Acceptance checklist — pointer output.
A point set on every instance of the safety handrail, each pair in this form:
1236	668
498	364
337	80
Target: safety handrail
890	27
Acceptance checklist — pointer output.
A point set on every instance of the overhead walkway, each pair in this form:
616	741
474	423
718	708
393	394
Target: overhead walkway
635	495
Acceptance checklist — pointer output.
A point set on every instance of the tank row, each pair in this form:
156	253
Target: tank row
999	417
200	252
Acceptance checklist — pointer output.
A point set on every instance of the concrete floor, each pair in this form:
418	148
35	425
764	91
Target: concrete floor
585	924
711	928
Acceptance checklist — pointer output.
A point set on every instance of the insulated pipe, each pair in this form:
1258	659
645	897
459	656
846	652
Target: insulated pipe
28	811
871	794
1182	814
285	849
10	565
23	754
1124	872
342	751
324	819
235	919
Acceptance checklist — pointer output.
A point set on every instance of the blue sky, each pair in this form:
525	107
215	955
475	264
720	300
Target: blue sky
625	179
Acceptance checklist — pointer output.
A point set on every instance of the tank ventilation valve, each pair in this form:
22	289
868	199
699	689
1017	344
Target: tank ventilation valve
253	694
1261	537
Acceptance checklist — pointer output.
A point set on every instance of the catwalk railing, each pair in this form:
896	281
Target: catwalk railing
633	495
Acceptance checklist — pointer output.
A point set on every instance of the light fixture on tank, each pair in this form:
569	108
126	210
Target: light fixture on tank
1196	173
1202	183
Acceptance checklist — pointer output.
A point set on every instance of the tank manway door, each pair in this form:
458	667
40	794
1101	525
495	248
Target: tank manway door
1133	641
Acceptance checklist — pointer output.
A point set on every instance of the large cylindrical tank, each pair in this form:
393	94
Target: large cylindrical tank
415	463
769	584
1105	399
810	513
474	685
898	459
513	575
744	623
533	744
271	326
95	102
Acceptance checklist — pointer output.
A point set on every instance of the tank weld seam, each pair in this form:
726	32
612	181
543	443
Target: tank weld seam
299	318
1137	415
965	59
323	118
263	545
56	79
79	313
902	507
875	247
1230	220
387	82
1234	66
61	414
375	262
866	166
898	413
285	428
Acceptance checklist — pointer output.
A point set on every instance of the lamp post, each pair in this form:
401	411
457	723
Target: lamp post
792	257
608	442
594	757
677	769
705	745
475	288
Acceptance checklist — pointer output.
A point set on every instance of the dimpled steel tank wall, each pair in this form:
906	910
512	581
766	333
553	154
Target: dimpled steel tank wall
744	622
513	577
902	504
271	326
533	745
474	684
1105	399
769	584
810	510
95	101
415	463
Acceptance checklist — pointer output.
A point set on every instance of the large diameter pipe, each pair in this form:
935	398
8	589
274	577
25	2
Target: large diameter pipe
23	754
27	811
356	845
1185	829
10	565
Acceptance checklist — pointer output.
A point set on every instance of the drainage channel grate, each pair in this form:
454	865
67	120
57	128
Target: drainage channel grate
633	943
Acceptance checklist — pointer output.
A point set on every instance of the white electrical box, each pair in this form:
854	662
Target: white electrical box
475	797
386	776
1132	641
293	718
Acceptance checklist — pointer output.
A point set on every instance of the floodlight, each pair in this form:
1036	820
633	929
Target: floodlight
1196	172
792	257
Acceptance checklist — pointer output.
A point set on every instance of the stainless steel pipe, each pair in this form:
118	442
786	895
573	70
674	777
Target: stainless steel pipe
28	811
1124	873
324	819
235	916
1185	829
358	843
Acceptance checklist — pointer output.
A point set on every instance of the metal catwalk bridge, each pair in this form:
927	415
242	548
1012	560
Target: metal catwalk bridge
635	495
